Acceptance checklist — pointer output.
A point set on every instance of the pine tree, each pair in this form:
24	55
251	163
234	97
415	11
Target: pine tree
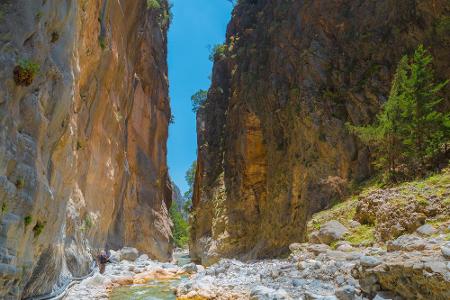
425	128
385	135
409	130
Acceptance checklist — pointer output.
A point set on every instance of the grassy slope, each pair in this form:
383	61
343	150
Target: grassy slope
437	186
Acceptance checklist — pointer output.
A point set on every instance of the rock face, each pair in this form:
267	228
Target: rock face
273	145
84	115
178	199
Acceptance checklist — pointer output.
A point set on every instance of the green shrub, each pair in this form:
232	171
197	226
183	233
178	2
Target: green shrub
54	37
38	228
217	52
20	183
27	220
25	71
88	222
39	15
4	208
153	4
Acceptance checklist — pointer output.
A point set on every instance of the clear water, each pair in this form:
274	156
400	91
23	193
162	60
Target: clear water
182	258
152	290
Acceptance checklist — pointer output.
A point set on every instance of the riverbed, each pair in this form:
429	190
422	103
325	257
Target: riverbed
154	289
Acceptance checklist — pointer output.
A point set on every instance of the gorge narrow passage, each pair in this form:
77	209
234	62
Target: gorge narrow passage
225	150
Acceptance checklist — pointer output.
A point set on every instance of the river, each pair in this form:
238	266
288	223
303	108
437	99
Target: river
154	289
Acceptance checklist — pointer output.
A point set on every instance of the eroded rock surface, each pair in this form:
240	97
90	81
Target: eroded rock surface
83	132
273	145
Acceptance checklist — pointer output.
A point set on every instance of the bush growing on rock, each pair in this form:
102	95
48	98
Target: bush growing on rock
20	182
25	71
198	100
38	228
27	220
217	51
153	4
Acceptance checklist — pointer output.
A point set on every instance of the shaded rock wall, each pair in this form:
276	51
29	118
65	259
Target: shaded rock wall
83	148
273	147
179	199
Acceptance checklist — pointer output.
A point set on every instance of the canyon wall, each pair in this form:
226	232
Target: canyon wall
272	141
84	115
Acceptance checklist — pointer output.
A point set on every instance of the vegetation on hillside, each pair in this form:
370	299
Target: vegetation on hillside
431	195
410	135
180	224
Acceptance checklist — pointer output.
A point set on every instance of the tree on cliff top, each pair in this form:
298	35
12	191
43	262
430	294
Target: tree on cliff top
198	99
410	133
190	179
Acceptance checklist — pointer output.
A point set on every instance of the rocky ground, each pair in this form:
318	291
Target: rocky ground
384	243
419	269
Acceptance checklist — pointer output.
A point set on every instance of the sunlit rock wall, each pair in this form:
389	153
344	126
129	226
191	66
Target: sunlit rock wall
273	145
83	147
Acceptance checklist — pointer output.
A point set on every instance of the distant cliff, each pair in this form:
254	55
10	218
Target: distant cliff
273	146
178	199
84	115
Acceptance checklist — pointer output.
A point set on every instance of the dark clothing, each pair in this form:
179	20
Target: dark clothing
102	260
101	268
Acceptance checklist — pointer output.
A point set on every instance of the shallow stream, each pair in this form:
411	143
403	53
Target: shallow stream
154	289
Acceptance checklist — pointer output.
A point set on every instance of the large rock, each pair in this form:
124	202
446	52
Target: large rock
407	243
426	230
346	292
332	231
129	253
445	250
190	268
265	293
415	275
82	140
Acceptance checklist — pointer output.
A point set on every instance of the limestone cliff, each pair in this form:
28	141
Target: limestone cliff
178	199
84	115
273	145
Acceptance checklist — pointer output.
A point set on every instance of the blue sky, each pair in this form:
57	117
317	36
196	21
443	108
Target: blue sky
196	25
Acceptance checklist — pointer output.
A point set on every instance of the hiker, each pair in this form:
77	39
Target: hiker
103	258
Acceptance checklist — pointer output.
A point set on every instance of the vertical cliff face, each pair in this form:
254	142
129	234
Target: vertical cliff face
84	117
273	145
